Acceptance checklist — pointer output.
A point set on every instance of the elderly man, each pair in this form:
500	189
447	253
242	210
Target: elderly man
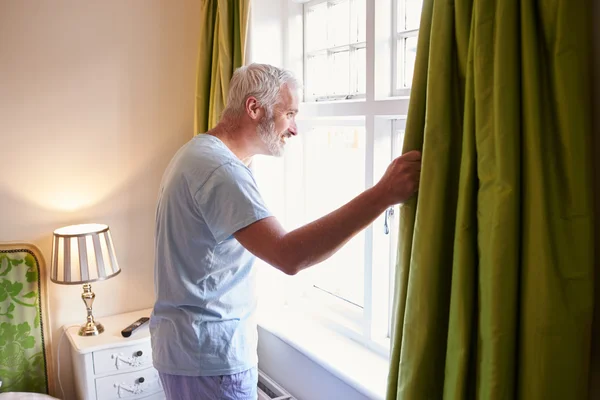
211	223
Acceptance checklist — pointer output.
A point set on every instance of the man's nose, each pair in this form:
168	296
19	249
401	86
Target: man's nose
293	129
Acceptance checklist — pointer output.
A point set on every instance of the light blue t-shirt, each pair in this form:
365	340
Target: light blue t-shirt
203	321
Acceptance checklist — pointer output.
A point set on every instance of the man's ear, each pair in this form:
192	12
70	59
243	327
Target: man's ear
253	109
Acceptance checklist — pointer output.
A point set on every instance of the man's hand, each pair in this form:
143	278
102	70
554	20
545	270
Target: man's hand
401	179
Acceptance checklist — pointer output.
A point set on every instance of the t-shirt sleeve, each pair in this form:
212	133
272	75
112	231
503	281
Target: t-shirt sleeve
229	200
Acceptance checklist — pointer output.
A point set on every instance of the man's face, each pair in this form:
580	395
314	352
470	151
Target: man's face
274	130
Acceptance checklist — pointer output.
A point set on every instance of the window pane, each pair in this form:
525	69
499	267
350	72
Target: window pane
360	71
340	73
338	23
410	53
317	75
406	50
399	64
316	27
398	139
334	174
359	22
412	14
335	27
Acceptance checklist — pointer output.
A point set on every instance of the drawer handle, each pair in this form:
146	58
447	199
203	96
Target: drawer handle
130	389
135	361
138	353
141	380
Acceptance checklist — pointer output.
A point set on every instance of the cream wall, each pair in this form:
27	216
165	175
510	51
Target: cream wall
95	98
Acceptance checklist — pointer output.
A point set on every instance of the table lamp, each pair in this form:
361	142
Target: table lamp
82	254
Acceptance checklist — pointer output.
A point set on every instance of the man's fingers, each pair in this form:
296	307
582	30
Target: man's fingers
413	155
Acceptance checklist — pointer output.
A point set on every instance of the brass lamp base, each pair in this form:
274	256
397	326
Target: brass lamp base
91	329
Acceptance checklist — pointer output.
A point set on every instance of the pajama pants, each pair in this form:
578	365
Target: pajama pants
242	386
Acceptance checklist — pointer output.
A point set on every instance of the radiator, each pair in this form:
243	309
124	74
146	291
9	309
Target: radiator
268	389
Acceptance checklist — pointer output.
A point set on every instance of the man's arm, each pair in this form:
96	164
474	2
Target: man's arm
315	242
312	243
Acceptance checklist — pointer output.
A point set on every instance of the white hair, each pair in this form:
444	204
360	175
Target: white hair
261	81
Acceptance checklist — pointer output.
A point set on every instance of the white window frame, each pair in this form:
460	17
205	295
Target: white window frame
398	61
381	109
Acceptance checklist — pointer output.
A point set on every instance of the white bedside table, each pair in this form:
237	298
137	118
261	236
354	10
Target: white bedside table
109	366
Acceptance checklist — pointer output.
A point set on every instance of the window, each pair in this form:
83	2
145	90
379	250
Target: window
351	125
335	49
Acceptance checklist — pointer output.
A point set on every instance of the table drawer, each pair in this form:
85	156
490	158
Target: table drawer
131	385
123	358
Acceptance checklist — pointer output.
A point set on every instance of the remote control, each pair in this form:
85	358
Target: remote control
129	330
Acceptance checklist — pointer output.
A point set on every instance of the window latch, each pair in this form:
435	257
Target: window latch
386	220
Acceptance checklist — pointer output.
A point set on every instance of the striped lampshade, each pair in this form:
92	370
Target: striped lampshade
82	254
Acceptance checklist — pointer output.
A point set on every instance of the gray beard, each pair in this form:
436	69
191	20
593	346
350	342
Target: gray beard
266	132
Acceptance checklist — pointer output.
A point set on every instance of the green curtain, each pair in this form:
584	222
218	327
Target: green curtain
223	31
494	291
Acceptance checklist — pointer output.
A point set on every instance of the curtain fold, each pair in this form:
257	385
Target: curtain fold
222	44
494	285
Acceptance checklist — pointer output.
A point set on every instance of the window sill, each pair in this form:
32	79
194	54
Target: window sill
393	97
340	100
354	364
